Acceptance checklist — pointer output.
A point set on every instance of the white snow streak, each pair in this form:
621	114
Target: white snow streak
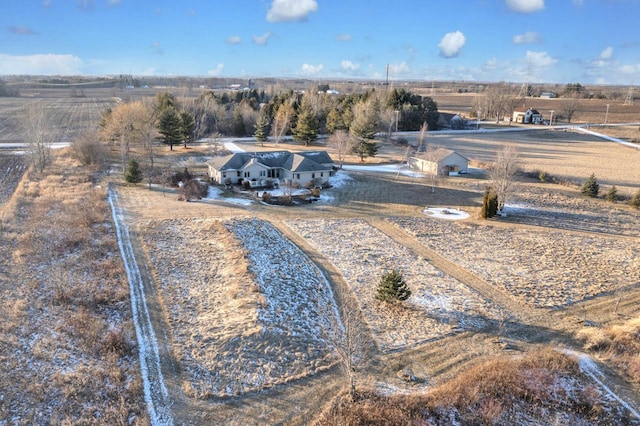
155	392
589	368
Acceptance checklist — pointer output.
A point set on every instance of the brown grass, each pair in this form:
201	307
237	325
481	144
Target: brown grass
619	344
539	388
69	355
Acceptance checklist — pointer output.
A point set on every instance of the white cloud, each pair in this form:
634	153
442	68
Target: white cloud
291	10
343	37
40	64
526	38
349	66
261	40
217	71
46	3
451	44
308	69
397	70
607	53
525	6
540	59
630	69
233	40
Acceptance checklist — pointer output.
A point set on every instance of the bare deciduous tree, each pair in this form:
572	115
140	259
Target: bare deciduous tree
423	136
433	154
568	107
130	123
497	102
39	130
341	142
502	173
348	336
281	122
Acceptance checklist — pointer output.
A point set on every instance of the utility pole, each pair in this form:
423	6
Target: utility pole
606	116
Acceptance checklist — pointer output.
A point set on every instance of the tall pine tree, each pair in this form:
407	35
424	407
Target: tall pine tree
306	129
170	127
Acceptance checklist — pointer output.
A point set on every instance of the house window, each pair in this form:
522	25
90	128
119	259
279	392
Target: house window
298	176
313	175
238	173
263	173
224	175
247	174
321	174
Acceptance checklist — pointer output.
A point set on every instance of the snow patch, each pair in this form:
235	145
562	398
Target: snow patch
448	213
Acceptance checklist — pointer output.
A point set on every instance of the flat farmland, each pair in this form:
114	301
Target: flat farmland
70	115
566	155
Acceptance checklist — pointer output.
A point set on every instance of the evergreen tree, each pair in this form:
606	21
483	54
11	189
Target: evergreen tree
635	201
366	148
489	203
238	127
133	174
393	287
187	125
612	194
590	186
262	127
170	127
306	129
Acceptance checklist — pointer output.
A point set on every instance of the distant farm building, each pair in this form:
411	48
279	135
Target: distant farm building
527	116
440	161
548	95
262	169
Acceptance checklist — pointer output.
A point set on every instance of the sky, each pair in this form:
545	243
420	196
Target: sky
535	41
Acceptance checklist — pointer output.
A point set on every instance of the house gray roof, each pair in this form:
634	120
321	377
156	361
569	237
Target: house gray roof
441	154
296	162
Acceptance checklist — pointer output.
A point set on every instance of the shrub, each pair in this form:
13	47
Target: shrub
133	174
612	194
266	197
542	176
590	186
635	201
489	203
393	287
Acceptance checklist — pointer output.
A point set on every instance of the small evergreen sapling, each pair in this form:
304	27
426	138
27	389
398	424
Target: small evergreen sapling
612	194
392	287
133	174
590	186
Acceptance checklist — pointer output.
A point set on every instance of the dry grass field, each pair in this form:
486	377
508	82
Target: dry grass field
68	349
502	314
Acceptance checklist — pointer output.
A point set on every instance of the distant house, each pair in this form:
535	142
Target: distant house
548	95
440	161
262	169
527	116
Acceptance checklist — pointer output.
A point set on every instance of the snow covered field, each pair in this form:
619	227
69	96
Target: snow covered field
247	308
541	268
438	306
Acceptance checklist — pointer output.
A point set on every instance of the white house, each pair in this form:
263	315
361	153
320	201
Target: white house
440	161
262	169
527	116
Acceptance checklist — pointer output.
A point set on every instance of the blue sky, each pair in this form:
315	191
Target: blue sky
556	41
